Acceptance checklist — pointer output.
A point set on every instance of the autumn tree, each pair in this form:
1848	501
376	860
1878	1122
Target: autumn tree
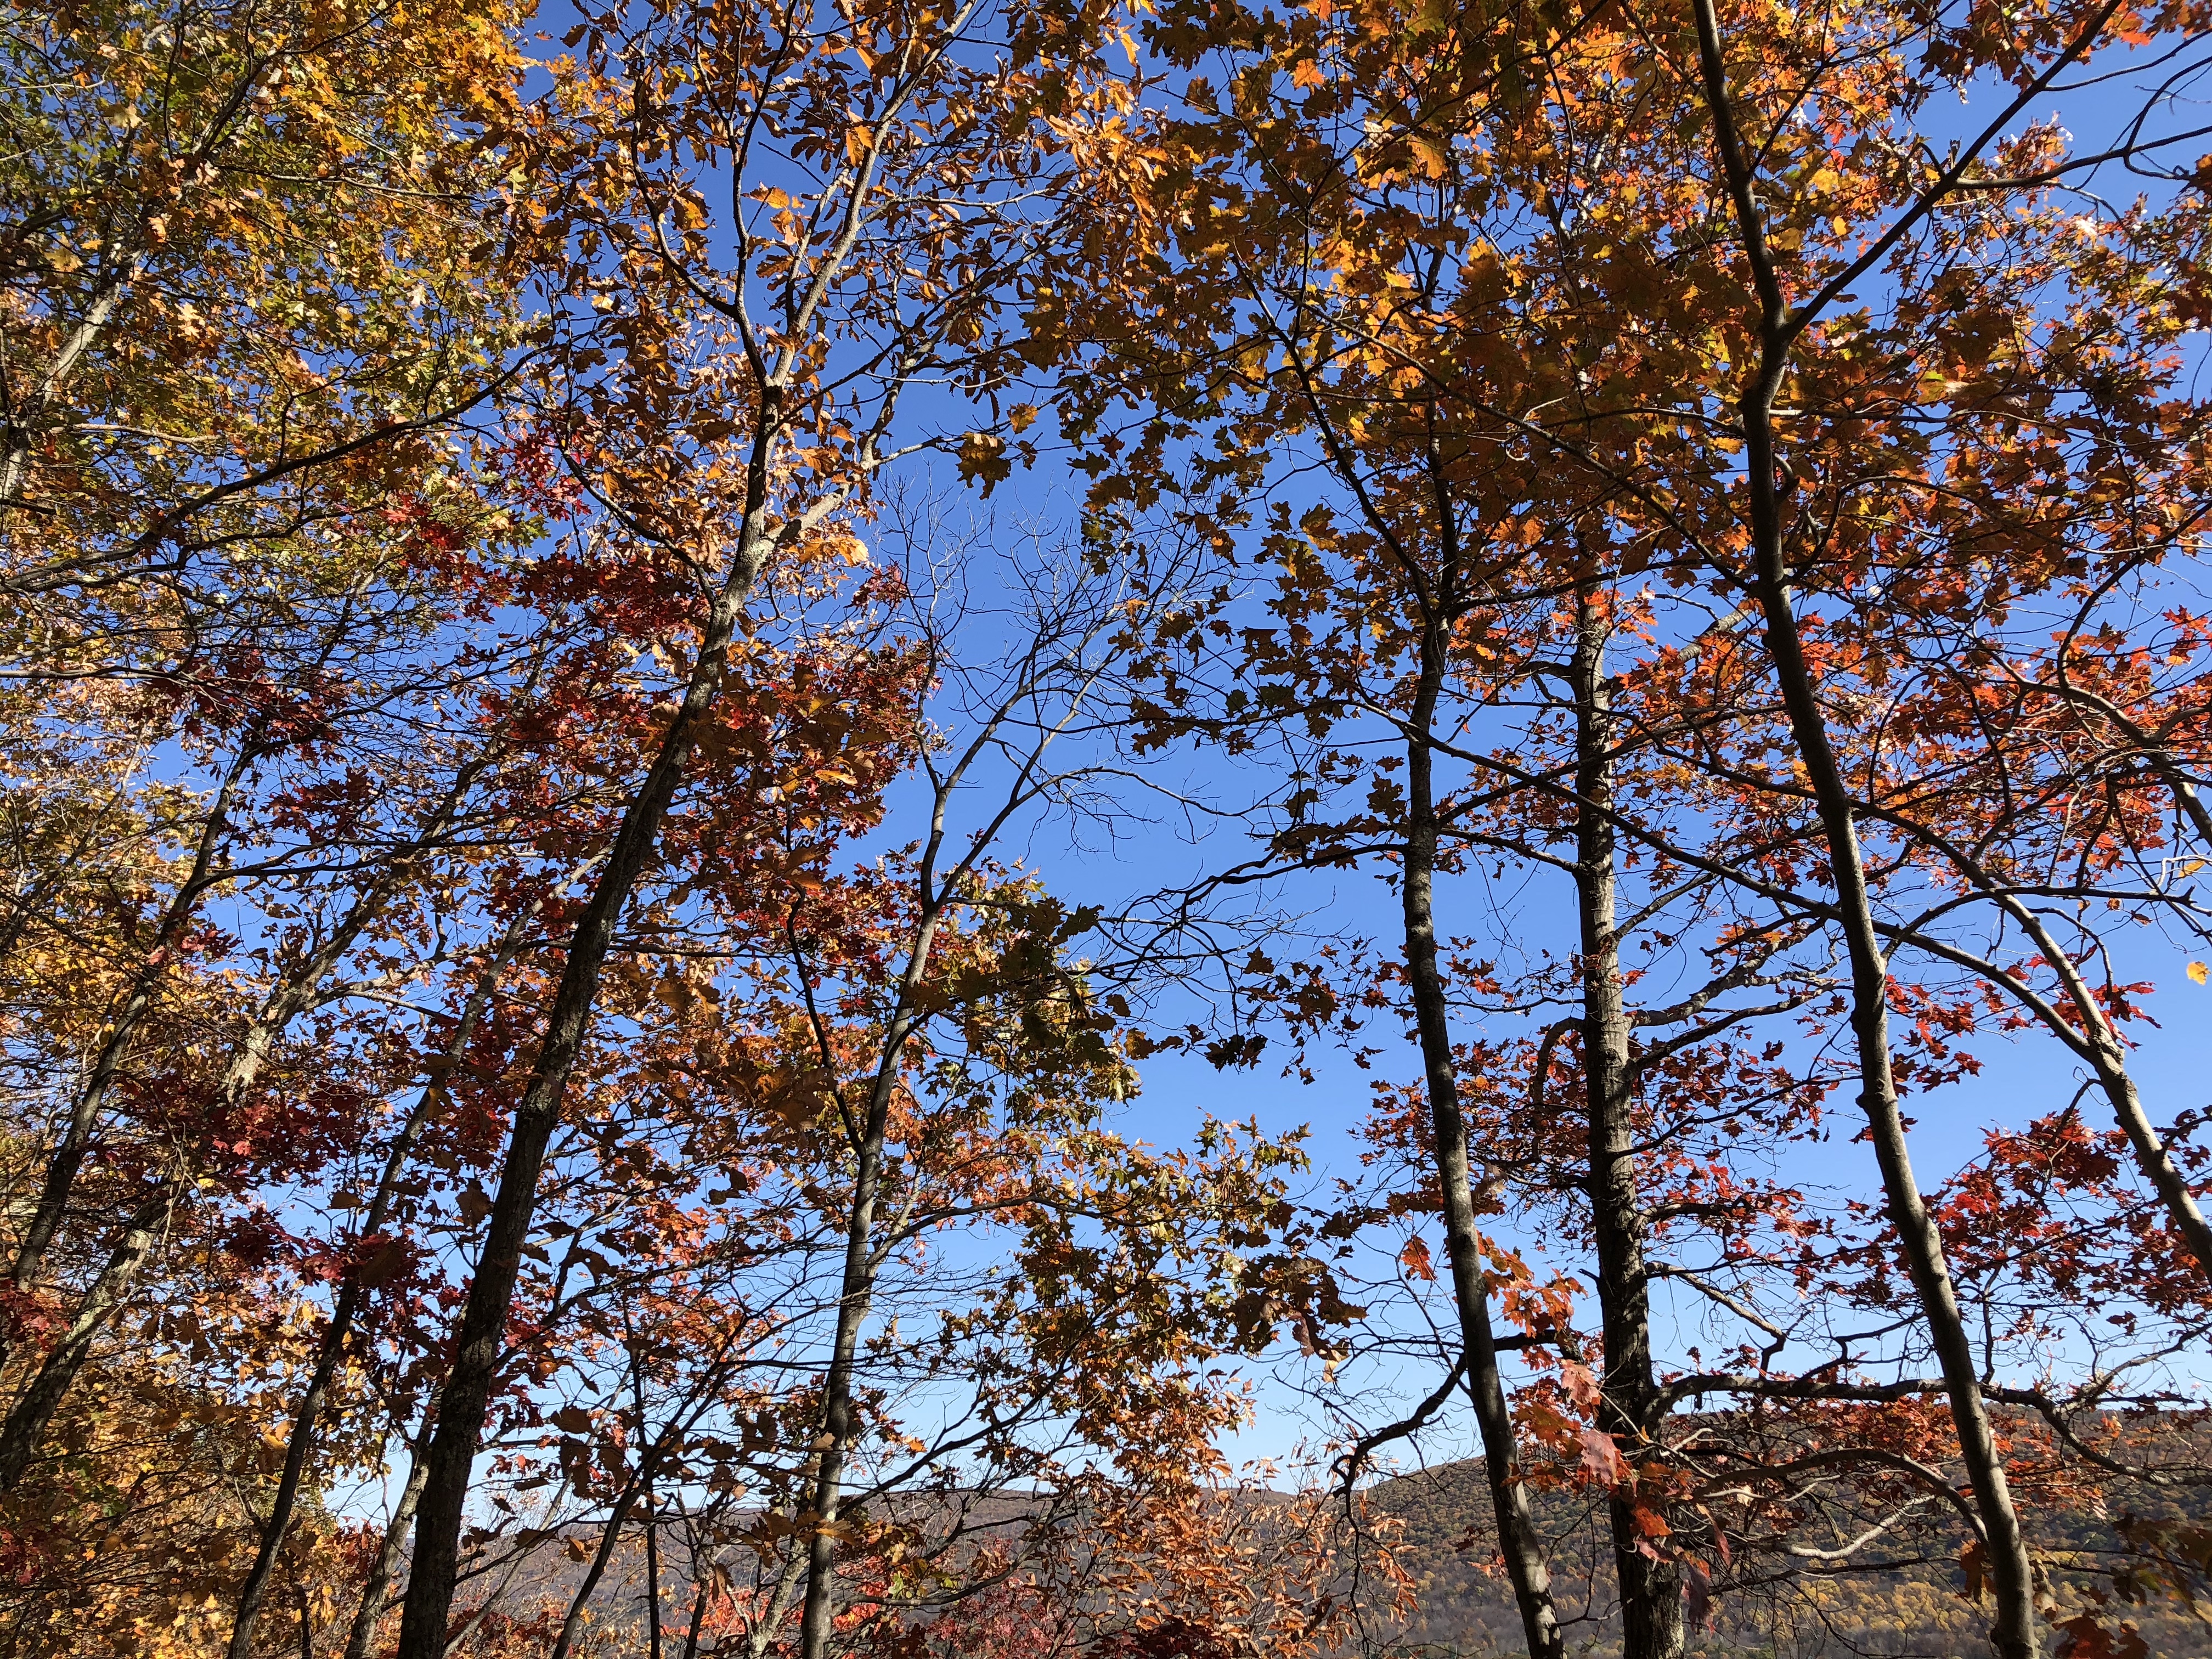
1467	255
743	408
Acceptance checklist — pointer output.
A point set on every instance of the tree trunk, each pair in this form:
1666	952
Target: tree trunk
1521	1545
857	1287
306	1419
652	1575
479	1339
819	1611
1629	1408
610	1539
699	1601
858	1283
376	1588
2016	1634
67	1160
652	1513
24	1430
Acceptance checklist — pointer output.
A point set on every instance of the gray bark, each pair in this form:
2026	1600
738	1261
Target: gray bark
1519	1541
306	1419
1629	1408
376	1590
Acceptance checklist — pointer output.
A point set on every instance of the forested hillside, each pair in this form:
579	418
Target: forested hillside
848	827
1900	1606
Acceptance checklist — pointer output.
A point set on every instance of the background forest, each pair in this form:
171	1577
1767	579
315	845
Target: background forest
1145	829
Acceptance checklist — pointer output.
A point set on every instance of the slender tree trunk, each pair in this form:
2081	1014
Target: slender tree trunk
299	1446
699	1602
2015	1635
790	1582
640	1486
1520	1542
478	1340
287	999
610	1537
376	1588
1628	1408
820	1611
652	1574
19	430
651	1514
857	1286
2017	1632
24	1429
19	435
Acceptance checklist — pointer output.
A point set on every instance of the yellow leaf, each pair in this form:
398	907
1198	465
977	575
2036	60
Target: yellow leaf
983	456
2197	971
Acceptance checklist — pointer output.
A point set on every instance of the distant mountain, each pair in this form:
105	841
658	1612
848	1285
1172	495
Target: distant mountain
1466	1610
1445	1540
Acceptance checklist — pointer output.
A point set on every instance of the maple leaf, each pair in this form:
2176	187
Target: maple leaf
1582	1386
1601	1460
